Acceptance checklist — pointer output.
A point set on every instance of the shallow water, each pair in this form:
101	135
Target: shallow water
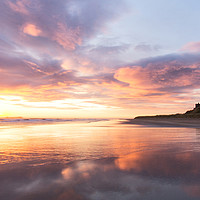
97	161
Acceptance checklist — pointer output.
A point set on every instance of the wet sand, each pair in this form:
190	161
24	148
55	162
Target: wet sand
165	122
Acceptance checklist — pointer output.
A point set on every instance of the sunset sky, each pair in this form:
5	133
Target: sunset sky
98	58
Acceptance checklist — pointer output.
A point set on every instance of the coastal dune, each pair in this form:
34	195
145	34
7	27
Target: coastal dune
190	118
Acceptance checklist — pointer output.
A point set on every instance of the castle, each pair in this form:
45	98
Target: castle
197	105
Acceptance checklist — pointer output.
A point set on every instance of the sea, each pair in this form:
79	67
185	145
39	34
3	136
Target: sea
98	160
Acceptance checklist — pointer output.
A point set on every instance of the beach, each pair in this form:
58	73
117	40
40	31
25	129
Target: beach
165	122
98	160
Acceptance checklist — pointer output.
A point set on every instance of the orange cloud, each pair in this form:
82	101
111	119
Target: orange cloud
152	76
134	75
32	30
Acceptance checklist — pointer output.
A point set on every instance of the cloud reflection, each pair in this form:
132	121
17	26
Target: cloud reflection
147	175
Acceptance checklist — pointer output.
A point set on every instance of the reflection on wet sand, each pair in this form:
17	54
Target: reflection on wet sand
59	162
139	176
163	165
62	143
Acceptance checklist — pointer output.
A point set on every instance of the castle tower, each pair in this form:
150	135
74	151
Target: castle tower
197	105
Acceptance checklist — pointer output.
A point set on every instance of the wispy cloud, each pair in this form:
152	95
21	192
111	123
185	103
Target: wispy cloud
193	47
147	47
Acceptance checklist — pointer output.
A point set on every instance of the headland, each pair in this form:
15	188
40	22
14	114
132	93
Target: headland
190	118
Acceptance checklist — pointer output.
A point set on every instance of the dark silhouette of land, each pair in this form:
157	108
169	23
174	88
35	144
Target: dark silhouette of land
190	118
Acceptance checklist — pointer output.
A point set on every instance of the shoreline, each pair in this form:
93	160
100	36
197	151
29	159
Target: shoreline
165	122
44	121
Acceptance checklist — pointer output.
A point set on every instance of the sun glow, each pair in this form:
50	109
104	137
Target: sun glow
6	110
14	106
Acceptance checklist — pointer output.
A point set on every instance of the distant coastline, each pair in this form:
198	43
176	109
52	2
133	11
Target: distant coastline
190	118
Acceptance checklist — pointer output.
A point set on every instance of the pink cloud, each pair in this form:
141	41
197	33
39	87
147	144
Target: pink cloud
191	47
19	6
67	37
63	24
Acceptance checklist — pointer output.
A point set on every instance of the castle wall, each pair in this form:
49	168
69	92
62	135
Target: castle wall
197	105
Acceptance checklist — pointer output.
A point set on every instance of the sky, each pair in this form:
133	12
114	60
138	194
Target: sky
98	58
